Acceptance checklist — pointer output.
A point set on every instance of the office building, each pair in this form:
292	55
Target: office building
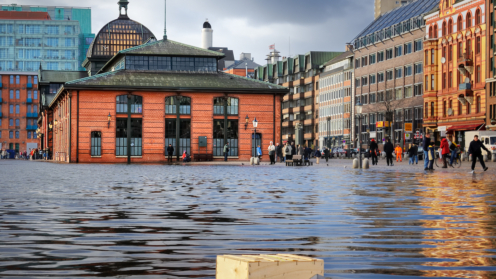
389	75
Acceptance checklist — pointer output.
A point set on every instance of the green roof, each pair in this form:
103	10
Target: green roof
171	48
172	80
48	76
317	58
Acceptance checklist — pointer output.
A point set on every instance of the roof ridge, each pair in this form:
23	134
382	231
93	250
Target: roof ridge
198	48
138	47
92	77
258	81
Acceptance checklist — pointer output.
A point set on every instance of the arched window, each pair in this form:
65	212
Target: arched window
444	28
469	20
477	17
18	94
230	103
18	80
11	79
136	104
459	23
435	31
430	32
184	105
11	122
450	26
18	123
17	109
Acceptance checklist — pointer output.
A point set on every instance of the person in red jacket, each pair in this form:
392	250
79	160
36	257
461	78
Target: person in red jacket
445	151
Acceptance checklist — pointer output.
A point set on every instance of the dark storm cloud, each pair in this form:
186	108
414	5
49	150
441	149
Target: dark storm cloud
244	26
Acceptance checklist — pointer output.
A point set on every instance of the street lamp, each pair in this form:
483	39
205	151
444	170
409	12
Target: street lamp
328	131
255	125
247	119
109	117
358	111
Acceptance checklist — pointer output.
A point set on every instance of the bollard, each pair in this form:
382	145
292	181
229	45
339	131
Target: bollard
252	160
256	161
356	164
365	164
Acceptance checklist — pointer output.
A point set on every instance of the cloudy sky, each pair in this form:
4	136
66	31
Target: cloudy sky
249	26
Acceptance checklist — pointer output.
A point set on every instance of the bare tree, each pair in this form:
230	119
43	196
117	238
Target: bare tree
390	105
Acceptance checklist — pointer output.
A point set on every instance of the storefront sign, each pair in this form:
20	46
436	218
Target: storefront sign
383	124
373	135
408	127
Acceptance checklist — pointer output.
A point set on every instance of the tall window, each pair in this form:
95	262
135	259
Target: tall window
431	32
469	47
121	137
478	104
450	52
444	28
460	106
96	144
18	80
478	74
432	82
460	49
432	109
232	106
450	79
478	45
184	135
17	134
459	23
17	109
435	31
18	123
469	108
18	95
136	104
477	17
11	95
469	20
11	79
426	110
444	109
11	122
231	134
432	57
450	26
184	105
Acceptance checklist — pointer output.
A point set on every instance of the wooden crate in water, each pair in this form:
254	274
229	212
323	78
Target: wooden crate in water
280	266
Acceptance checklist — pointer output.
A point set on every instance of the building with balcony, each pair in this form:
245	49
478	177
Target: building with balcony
389	74
490	66
335	101
300	108
455	68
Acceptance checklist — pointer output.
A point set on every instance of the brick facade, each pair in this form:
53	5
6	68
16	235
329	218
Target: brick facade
18	113
87	111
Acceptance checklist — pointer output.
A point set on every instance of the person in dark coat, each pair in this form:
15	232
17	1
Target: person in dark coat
318	154
475	149
306	153
411	154
293	149
279	152
170	152
389	150
327	154
373	151
425	146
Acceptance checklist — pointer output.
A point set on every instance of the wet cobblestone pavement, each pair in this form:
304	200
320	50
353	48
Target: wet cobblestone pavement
152	221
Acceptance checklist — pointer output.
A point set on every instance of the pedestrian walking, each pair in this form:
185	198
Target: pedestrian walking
283	151
293	149
445	151
454	153
279	150
389	150
373	151
288	151
272	153
226	151
307	151
259	153
170	152
327	154
425	146
415	153
411	154
318	154
475	149
431	156
399	152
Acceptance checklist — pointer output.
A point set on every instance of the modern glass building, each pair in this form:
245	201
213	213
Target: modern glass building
28	37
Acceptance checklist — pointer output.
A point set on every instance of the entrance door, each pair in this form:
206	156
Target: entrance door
256	140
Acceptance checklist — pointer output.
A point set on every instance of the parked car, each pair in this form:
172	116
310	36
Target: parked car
339	152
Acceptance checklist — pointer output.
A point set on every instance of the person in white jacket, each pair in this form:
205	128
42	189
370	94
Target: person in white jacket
272	153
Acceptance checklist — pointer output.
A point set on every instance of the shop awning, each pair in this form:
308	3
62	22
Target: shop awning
473	127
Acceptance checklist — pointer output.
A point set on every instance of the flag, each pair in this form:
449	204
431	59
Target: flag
272	46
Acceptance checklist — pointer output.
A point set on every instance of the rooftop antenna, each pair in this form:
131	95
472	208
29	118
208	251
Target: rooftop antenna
165	20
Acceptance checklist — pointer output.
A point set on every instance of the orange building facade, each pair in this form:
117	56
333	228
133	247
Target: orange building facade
455	68
19	100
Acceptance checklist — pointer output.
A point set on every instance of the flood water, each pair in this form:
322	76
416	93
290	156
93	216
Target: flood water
118	221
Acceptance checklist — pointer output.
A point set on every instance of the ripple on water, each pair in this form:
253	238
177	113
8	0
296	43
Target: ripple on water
92	221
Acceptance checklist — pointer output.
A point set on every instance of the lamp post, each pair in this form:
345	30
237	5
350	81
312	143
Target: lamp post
328	131
358	111
255	125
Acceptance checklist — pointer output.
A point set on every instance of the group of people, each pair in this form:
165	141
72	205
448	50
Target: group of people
32	154
170	152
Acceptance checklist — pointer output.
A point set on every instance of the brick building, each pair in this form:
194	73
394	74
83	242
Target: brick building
300	111
389	74
490	66
455	72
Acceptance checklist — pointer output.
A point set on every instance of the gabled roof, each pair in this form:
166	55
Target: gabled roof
49	76
339	58
126	80
172	48
413	9
240	64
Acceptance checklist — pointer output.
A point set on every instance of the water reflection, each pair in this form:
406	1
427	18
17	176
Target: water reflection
171	222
